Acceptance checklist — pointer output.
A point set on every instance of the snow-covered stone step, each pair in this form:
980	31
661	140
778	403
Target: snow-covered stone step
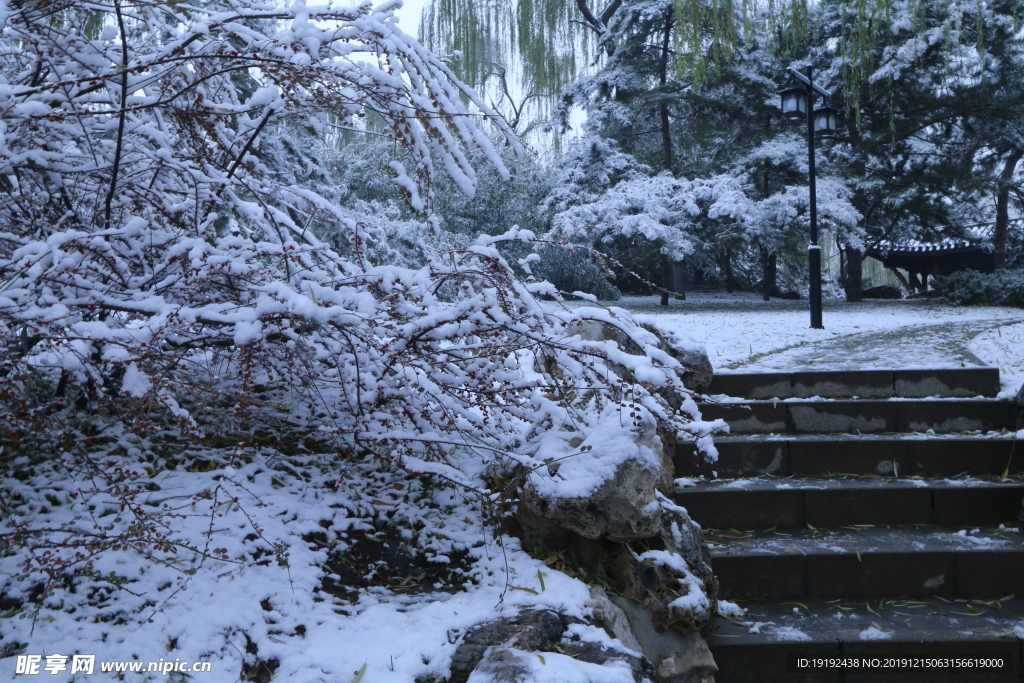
984	562
867	417
881	454
755	647
791	502
917	383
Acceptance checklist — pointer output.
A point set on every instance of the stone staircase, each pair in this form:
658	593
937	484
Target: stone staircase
863	512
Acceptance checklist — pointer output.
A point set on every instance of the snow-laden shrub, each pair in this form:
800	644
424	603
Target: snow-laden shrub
571	271
971	288
175	338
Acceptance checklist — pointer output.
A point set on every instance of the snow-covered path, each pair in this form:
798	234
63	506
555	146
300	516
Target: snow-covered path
921	346
744	334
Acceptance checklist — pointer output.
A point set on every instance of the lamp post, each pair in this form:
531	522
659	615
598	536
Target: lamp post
798	103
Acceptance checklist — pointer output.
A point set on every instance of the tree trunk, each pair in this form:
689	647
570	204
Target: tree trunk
666	131
770	271
730	279
842	262
666	138
903	281
1003	207
666	278
668	275
679	284
854	283
915	282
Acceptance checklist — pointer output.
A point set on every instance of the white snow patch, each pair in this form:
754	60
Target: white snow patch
730	609
756	628
874	633
135	383
789	633
551	667
593	634
1003	348
248	332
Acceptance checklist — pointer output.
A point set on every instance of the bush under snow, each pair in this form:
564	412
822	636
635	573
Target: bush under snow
205	405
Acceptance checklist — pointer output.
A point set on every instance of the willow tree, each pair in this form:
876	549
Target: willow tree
526	52
521	54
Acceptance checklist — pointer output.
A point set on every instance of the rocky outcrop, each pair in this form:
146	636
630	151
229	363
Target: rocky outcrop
513	649
607	508
676	658
692	356
674	584
509	650
606	527
649	552
624	508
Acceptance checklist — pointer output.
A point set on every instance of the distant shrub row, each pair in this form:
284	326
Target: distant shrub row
971	288
573	271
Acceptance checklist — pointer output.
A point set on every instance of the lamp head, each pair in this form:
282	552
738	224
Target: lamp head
825	121
794	102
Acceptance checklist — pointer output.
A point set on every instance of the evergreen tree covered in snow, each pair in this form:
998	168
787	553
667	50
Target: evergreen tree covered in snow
691	92
930	92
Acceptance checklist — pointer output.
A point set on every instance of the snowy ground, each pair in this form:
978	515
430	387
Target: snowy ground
390	636
742	333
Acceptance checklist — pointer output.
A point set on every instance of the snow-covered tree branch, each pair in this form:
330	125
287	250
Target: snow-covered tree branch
159	273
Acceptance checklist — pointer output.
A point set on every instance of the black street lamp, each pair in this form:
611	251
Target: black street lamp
798	103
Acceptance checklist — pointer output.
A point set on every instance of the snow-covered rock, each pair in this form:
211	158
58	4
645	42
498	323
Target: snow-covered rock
544	645
676	584
612	618
691	355
606	491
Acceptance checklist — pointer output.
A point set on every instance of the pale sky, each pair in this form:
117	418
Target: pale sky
409	15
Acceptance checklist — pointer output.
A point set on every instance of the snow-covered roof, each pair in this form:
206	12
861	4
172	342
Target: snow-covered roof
977	236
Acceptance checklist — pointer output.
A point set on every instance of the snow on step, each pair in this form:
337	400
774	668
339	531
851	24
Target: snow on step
754	646
915	383
864	416
859	454
767	502
850	487
888	562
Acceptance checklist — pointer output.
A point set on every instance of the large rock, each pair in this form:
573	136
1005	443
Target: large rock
692	356
528	630
623	508
676	658
536	644
675	585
